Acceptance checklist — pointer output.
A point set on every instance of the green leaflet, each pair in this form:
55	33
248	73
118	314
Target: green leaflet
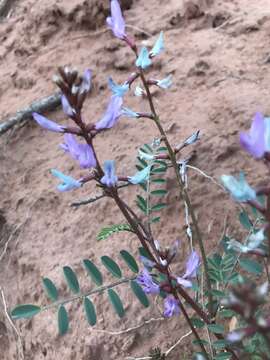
25	311
158	207
63	321
90	311
140	294
93	272
110	230
116	303
111	266
216	328
71	279
251	266
50	289
130	261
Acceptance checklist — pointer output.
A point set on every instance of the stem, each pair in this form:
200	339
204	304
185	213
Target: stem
183	192
88	293
132	223
195	333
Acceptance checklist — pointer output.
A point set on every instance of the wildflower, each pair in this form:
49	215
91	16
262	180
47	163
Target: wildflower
236	336
68	183
47	124
111	115
239	188
118	90
171	306
144	279
81	152
116	21
192	266
140	176
165	83
109	179
129	113
192	139
159	46
139	91
146	262
257	140
68	110
143	60
253	242
144	156
85	85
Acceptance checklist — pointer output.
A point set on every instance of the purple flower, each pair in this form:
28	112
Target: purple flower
86	81
116	21
171	306
68	110
192	266
112	114
68	183
109	179
144	279
47	124
253	142
81	152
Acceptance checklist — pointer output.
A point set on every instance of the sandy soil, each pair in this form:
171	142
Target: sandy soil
219	56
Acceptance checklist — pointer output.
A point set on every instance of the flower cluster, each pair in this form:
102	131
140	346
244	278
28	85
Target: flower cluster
150	284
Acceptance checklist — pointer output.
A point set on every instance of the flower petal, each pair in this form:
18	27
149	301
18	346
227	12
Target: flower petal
116	22
143	60
159	46
109	179
254	141
111	115
239	189
165	83
68	183
129	113
140	176
47	124
118	90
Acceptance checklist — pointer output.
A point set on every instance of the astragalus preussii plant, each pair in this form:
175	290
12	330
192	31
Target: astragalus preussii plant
212	289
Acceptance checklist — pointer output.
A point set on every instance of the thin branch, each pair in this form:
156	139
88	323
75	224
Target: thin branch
46	104
121	332
17	334
87	201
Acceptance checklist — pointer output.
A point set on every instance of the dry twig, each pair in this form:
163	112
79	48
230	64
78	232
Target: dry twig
46	104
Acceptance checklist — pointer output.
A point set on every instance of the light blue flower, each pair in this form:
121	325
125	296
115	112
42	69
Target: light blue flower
68	183
192	139
159	45
129	113
144	156
253	242
239	188
118	90
138	91
165	83
109	179
143	60
140	176
267	133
